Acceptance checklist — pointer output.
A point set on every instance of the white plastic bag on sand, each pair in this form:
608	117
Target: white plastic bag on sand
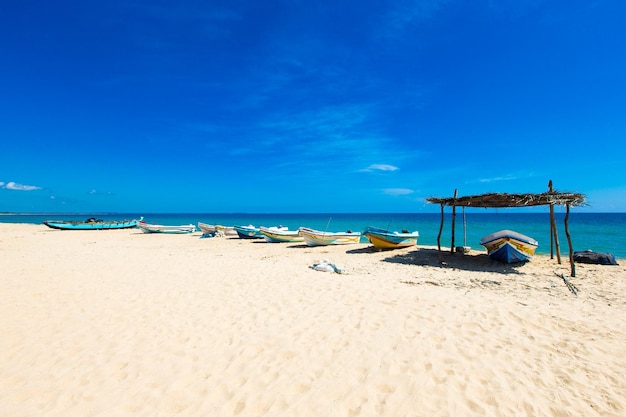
323	267
327	266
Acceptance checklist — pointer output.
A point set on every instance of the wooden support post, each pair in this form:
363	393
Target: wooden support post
554	234
453	221
551	223
569	242
557	247
439	235
464	230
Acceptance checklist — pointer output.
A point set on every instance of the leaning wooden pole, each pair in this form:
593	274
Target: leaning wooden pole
554	234
439	235
453	221
552	221
569	242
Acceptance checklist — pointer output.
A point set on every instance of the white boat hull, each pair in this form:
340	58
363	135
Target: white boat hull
318	238
160	228
280	235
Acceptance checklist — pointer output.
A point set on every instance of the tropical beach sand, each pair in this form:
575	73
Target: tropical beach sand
121	323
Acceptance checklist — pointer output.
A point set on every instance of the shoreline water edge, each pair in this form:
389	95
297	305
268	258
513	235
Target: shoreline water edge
601	232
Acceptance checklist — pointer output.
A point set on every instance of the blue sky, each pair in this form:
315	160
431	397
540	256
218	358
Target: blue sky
300	106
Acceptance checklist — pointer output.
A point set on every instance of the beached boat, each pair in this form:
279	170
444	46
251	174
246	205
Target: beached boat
314	237
386	239
509	246
213	229
226	230
91	224
248	232
280	234
207	229
160	228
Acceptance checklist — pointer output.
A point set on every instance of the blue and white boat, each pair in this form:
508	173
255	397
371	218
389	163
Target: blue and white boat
509	247
90	224
248	232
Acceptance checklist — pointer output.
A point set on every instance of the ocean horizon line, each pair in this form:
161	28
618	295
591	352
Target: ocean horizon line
489	211
604	232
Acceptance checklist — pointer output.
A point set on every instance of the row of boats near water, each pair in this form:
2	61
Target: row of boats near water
505	245
380	238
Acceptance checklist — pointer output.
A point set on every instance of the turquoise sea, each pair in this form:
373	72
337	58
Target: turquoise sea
602	232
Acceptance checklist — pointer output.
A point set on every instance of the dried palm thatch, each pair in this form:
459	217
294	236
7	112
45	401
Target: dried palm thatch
502	200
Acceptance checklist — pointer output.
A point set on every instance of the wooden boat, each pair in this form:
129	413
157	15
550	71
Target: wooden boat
248	232
508	246
91	224
386	239
207	229
280	234
160	228
213	229
314	237
226	230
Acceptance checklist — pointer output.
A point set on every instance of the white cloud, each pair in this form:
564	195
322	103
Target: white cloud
19	187
397	191
507	178
380	167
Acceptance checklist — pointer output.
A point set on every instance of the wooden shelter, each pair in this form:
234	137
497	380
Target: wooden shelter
505	200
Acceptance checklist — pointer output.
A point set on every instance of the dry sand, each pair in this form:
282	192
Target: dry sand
121	323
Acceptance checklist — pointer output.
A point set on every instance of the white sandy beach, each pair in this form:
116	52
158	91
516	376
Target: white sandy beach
121	323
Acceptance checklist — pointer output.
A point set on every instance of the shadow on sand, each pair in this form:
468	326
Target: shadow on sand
430	257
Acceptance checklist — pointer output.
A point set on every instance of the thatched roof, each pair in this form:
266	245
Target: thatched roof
502	200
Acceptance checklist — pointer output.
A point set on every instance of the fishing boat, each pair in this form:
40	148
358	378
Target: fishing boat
509	247
216	229
160	228
91	223
280	234
248	232
386	239
207	229
226	230
314	237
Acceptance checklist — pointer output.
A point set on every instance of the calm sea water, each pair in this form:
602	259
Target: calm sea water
602	232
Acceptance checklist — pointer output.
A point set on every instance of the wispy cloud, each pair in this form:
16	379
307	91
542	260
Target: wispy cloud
380	167
406	13
211	21
398	191
332	131
495	179
100	193
18	187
